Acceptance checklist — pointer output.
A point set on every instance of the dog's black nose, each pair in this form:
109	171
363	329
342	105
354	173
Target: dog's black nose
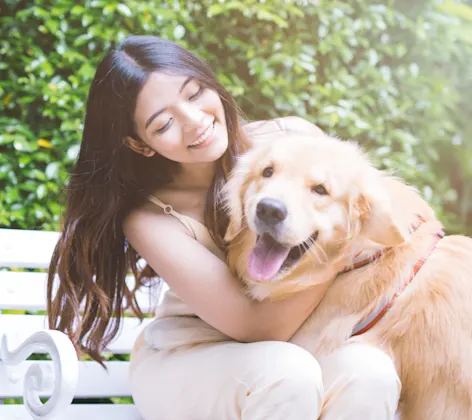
271	211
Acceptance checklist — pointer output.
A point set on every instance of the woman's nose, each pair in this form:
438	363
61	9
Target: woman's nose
192	116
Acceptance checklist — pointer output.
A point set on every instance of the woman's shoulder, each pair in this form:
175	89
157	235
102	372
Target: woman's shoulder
149	213
145	215
149	227
277	125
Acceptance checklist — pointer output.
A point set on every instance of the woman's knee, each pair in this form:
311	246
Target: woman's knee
374	393
291	363
360	376
286	383
290	368
378	374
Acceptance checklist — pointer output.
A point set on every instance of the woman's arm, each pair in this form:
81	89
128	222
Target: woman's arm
206	285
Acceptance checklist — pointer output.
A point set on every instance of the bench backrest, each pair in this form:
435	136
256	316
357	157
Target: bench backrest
22	296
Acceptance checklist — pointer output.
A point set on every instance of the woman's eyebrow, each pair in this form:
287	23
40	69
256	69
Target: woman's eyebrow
157	113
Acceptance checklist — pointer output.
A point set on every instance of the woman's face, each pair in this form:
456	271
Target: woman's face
181	120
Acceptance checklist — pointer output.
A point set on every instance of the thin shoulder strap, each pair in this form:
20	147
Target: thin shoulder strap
167	208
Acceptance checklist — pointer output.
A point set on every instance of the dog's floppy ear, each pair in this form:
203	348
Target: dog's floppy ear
382	220
232	194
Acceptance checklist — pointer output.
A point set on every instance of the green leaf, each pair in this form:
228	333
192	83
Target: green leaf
459	10
52	170
124	10
41	191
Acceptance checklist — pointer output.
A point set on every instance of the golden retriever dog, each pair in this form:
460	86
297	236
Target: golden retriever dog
307	210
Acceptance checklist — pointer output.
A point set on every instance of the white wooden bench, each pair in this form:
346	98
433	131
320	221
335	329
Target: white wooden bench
24	333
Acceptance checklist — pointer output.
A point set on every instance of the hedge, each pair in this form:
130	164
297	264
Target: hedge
397	78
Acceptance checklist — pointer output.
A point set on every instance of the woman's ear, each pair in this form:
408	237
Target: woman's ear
139	147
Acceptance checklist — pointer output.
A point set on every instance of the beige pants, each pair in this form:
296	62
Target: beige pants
265	380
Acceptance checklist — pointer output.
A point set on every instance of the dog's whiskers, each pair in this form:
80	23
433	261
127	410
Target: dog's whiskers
314	250
323	252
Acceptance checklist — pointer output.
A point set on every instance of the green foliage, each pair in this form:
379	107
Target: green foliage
395	78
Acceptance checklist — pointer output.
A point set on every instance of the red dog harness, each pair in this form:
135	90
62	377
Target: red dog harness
370	320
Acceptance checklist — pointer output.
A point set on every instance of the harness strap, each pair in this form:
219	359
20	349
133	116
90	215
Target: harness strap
370	320
362	262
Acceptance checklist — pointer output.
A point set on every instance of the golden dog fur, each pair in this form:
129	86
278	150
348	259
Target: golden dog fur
428	330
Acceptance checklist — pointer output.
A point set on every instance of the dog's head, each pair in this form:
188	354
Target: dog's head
297	200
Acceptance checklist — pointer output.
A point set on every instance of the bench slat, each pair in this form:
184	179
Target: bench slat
26	248
94	381
18	327
78	412
27	291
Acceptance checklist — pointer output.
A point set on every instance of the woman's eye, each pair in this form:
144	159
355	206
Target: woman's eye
268	172
165	127
320	189
197	94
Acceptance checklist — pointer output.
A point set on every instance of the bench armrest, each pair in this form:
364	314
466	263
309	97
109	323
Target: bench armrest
63	380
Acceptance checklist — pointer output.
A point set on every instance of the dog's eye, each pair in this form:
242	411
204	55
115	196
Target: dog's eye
320	189
268	172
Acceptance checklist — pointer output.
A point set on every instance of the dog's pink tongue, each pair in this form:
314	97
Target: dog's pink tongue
266	258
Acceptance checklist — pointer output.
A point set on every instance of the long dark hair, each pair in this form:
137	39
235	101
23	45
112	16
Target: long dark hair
92	257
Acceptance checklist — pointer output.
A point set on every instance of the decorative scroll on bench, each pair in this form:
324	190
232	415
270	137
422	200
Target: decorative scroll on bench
63	379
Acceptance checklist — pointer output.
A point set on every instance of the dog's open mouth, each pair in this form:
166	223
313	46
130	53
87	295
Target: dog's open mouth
269	257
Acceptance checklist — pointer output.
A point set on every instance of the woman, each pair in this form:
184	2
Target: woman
160	136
